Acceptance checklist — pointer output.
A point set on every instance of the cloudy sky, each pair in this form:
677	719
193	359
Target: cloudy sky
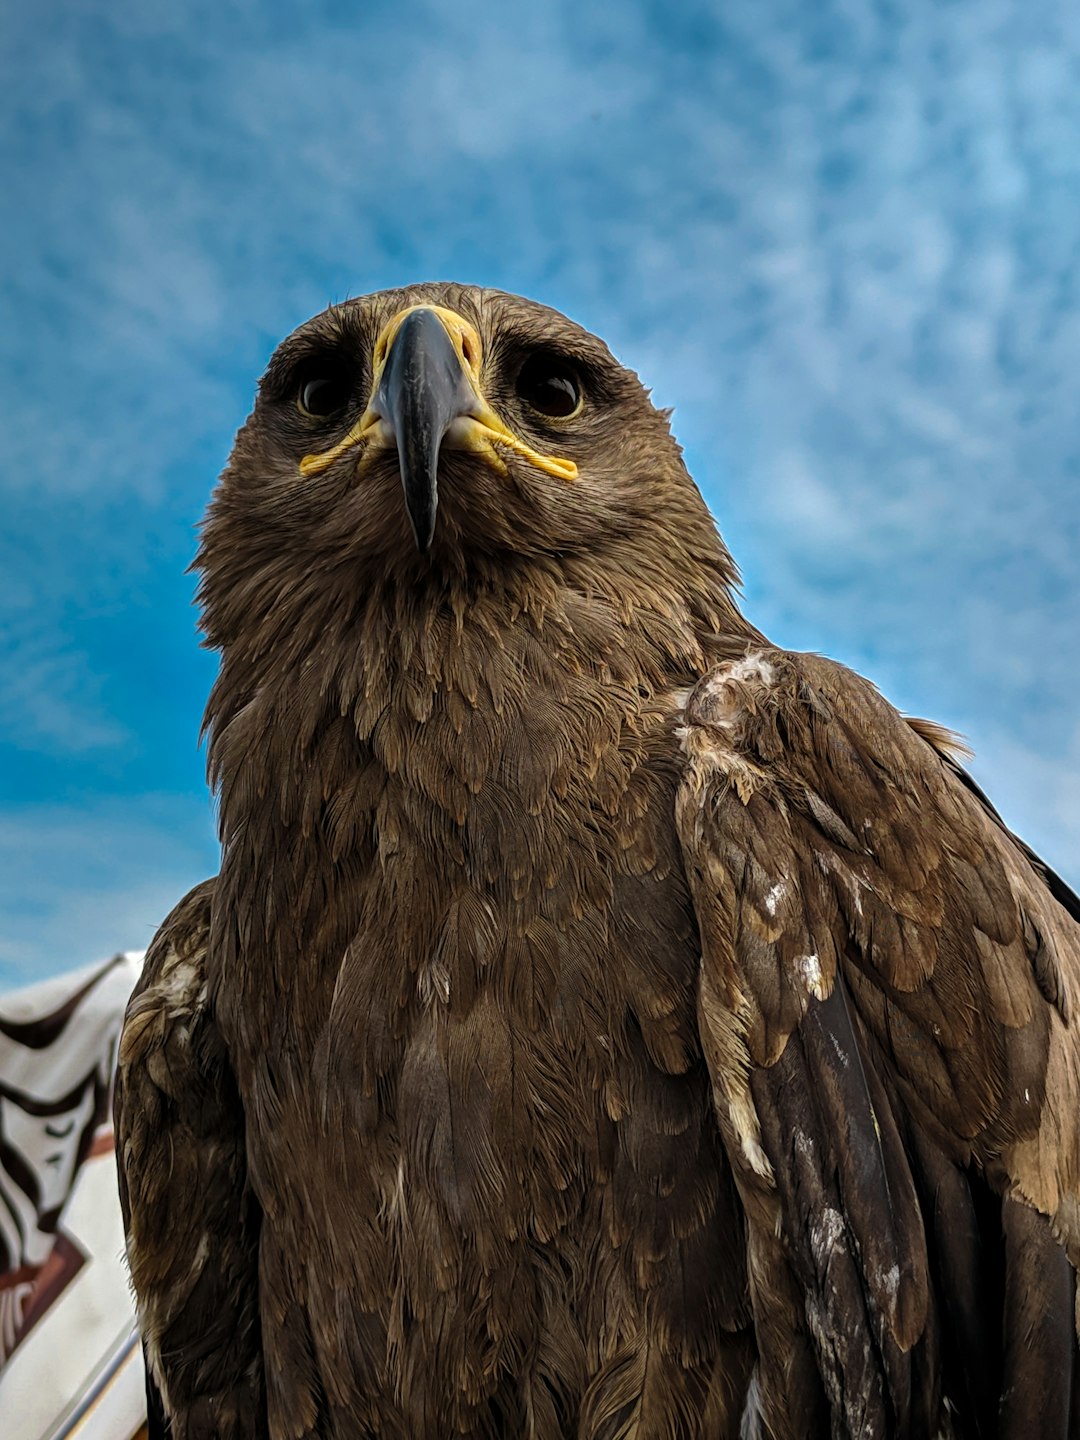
841	239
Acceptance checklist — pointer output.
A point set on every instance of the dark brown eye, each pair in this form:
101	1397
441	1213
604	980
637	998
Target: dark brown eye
549	385
324	390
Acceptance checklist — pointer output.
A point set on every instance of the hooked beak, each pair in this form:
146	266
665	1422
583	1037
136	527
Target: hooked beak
426	391
422	391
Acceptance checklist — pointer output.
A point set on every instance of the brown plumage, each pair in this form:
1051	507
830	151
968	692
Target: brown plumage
603	1024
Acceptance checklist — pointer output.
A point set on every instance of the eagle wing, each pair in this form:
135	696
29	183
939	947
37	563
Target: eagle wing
191	1222
889	1006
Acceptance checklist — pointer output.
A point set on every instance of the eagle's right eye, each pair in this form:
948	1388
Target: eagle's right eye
324	390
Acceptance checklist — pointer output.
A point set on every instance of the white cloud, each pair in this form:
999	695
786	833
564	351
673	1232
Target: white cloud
841	244
1038	795
80	883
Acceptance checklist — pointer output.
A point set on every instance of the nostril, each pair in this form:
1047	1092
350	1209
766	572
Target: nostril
468	350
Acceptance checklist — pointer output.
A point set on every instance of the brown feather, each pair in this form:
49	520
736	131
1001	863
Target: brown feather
555	1055
892	890
191	1221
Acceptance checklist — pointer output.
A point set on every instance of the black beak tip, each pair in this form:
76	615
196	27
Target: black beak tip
424	537
423	390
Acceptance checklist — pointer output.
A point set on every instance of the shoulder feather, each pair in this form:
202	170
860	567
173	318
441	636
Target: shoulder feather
190	1221
887	980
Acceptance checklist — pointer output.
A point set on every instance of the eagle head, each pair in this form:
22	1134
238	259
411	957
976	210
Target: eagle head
445	431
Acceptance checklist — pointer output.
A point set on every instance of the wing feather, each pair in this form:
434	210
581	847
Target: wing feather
887	977
191	1223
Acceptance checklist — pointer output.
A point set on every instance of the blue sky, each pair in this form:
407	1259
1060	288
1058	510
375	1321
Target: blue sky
842	239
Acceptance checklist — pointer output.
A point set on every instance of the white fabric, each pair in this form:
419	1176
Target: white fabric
73	1366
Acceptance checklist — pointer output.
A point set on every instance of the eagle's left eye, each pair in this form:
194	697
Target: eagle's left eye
548	384
324	390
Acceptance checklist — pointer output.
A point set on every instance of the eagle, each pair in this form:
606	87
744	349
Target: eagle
604	1023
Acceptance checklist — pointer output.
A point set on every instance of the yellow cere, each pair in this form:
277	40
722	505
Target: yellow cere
485	429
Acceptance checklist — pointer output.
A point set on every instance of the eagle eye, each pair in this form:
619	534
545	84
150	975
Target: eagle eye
325	388
549	385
